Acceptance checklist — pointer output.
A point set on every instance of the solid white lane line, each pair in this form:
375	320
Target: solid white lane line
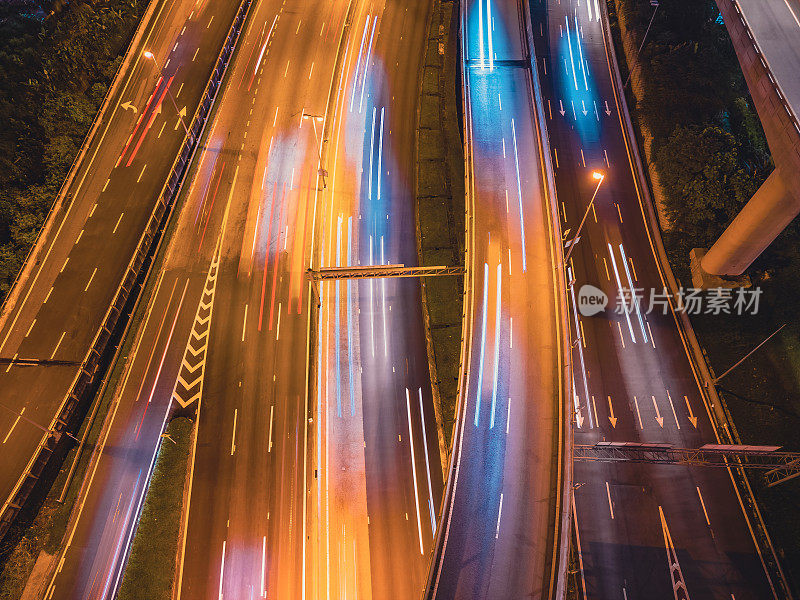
19	416
63	333
90	280
414	471
610	505
233	437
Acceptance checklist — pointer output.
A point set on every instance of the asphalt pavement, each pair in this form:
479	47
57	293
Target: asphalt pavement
226	332
57	311
499	535
643	531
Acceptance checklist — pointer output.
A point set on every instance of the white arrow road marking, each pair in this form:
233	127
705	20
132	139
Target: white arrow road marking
129	106
659	418
692	418
611	416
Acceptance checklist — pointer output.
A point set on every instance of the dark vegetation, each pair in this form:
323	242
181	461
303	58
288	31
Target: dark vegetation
710	154
57	60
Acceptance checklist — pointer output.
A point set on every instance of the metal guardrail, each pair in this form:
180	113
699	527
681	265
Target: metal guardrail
83	383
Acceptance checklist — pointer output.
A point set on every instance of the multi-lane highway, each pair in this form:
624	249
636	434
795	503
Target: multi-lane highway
226	331
381	476
500	534
56	309
643	531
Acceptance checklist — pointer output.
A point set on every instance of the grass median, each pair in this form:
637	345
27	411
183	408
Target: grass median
150	571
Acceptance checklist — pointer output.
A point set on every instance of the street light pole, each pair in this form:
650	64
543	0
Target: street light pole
600	177
746	356
151	56
20	415
636	60
314	119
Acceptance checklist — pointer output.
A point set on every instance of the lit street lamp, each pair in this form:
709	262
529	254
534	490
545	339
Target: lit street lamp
151	56
599	176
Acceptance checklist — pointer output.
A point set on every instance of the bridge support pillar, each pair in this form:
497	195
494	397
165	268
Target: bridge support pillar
768	212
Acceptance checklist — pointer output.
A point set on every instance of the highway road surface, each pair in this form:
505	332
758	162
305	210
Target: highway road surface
374	508
226	331
59	308
775	24
498	536
644	531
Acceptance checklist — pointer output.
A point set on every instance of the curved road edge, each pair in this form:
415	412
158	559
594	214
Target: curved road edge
561	539
556	579
724	428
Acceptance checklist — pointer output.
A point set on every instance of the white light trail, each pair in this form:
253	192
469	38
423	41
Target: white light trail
498	302
519	196
483	340
414	471
427	463
621	293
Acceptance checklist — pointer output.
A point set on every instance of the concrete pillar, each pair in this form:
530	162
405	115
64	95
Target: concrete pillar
771	208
